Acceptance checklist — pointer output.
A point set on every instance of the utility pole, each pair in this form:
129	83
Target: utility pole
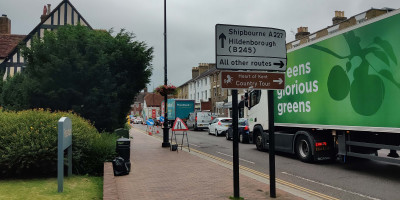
166	128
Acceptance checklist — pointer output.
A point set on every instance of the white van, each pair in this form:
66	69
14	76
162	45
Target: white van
199	120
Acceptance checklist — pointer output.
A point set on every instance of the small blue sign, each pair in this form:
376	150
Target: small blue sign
150	122
64	142
161	119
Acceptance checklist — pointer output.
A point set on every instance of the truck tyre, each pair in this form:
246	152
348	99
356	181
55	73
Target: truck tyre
303	149
259	142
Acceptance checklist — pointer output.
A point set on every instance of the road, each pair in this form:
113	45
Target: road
358	179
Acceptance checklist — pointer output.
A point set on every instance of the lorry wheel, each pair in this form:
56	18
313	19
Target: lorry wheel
259	143
303	149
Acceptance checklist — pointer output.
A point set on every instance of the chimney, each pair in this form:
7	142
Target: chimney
301	32
48	9
44	15
195	72
5	25
203	67
339	17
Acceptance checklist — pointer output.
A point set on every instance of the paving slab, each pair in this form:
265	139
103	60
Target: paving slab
158	173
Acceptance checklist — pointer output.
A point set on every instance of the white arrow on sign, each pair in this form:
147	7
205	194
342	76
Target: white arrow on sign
280	81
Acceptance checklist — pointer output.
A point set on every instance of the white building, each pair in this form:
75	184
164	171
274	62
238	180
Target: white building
200	85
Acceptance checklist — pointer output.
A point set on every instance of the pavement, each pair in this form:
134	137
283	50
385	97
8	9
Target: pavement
159	173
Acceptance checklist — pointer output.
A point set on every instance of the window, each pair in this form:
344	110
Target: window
205	80
206	94
255	97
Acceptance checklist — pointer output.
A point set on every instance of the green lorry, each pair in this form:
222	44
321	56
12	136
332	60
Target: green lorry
341	94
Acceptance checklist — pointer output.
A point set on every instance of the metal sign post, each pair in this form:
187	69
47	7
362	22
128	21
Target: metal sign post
235	144
271	147
64	142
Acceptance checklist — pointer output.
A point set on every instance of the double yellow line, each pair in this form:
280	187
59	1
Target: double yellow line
308	191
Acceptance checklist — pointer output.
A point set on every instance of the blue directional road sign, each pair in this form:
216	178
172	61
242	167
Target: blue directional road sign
150	122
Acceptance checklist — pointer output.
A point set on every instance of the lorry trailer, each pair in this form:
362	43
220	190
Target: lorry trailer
341	93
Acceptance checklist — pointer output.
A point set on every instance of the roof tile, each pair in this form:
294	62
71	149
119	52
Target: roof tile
153	100
8	42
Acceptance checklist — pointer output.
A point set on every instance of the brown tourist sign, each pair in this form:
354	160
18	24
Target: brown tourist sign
254	80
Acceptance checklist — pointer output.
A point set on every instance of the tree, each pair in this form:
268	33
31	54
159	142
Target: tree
91	72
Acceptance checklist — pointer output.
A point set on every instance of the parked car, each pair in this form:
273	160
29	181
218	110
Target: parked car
243	130
138	120
199	120
219	126
133	120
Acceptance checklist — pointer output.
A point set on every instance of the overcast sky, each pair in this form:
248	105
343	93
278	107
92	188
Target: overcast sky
190	23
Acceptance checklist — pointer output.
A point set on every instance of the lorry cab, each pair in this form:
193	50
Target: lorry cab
257	112
199	120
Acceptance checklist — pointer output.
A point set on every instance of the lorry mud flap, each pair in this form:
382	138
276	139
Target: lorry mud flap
321	155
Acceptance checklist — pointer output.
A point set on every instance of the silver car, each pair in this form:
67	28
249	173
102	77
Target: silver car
219	126
138	120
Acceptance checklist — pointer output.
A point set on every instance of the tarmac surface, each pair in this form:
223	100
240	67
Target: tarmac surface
159	173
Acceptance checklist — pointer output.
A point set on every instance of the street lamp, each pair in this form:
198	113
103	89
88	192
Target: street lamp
166	128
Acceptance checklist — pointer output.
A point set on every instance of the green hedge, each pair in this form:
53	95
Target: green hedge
29	144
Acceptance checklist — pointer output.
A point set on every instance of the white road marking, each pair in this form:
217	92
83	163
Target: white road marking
239	158
194	145
330	186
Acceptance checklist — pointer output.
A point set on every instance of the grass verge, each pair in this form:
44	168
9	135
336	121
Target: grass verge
75	187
